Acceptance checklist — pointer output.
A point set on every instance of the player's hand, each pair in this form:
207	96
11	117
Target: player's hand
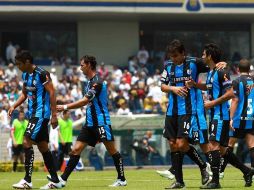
180	91
221	65
54	122
63	143
10	111
231	125
15	144
190	83
208	104
60	108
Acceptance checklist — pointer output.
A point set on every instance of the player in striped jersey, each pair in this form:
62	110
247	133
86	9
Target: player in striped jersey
182	110
97	127
219	88
39	91
241	111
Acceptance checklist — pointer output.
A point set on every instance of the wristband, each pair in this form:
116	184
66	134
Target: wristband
65	107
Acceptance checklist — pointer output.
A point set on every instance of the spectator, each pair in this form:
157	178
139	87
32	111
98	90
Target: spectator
103	71
4	121
10	52
143	56
149	104
123	110
11	72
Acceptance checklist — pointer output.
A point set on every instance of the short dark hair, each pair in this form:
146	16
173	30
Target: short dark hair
90	59
65	112
175	46
23	56
244	65
214	51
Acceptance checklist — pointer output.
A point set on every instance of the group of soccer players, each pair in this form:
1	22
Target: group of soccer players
185	118
38	89
185	122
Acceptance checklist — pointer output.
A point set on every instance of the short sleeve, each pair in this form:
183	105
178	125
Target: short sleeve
225	79
164	77
94	90
45	77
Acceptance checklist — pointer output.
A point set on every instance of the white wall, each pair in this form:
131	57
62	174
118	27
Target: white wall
111	42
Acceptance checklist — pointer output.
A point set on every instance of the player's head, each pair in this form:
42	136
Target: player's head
211	53
244	66
23	60
66	114
88	63
21	115
176	52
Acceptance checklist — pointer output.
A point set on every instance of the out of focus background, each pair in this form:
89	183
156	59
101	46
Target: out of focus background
128	38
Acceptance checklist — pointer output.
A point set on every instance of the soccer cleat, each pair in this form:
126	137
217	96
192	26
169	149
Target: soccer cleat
248	178
205	177
63	182
119	183
221	175
211	185
176	185
23	184
208	169
52	185
166	174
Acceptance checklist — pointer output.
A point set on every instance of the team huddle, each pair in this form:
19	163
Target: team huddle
185	122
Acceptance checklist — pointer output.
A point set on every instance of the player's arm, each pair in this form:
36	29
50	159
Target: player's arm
234	102
89	96
166	87
21	99
203	68
191	83
48	85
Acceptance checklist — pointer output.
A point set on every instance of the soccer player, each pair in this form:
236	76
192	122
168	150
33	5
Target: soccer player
38	89
65	137
17	133
182	109
219	89
97	127
241	111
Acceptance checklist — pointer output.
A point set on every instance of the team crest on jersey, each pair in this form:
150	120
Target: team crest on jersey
248	89
34	82
189	72
212	80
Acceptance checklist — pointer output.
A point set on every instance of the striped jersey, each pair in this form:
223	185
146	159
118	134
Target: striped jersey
243	90
177	75
97	113
38	97
217	83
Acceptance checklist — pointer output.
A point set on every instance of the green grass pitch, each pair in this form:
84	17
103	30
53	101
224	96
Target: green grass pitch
144	179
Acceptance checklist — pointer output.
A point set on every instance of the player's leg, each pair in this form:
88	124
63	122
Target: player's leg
118	162
60	155
171	132
15	157
250	142
26	182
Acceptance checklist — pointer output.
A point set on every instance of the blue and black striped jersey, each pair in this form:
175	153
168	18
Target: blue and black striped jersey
217	83
177	75
201	114
38	97
243	90
97	113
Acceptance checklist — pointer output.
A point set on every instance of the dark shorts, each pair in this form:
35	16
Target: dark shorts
37	129
65	149
219	131
182	126
93	135
16	151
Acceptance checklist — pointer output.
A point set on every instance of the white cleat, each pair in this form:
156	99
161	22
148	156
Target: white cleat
208	169
63	182
166	174
221	176
52	185
118	183
23	184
